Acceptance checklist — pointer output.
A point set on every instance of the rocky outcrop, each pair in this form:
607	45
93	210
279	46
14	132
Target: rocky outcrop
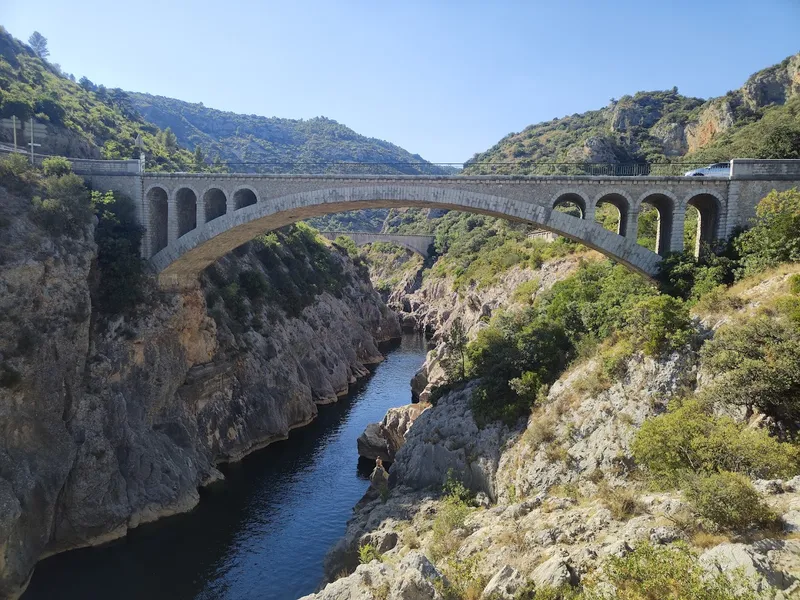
436	305
550	526
383	440
112	422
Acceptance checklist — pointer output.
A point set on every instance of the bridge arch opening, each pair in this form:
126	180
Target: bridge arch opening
186	205
612	212
571	204
244	197
708	211
159	219
216	204
655	222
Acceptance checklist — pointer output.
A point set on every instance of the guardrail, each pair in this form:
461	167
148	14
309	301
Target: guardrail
88	166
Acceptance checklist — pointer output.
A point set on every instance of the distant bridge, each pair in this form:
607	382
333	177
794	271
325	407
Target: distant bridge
415	243
193	219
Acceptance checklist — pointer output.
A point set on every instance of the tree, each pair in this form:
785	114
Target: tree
457	341
87	84
39	44
199	159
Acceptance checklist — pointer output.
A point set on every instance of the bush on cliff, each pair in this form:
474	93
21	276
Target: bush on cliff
689	440
62	205
756	364
120	268
665	573
775	235
729	501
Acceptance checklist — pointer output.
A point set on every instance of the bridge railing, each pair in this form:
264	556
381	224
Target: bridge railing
586	169
88	166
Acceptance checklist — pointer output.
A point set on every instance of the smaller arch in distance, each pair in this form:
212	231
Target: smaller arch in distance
186	207
664	204
158	202
623	205
709	209
244	196
567	198
215	202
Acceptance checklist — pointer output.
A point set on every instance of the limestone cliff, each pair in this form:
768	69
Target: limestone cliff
111	422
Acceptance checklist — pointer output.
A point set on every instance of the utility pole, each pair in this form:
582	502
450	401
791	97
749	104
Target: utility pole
33	162
14	127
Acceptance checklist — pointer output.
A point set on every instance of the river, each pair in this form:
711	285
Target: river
263	532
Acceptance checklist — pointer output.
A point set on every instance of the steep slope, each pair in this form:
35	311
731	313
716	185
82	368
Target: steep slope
287	145
663	125
114	419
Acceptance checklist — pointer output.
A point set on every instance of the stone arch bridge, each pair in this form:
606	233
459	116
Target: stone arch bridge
191	220
415	243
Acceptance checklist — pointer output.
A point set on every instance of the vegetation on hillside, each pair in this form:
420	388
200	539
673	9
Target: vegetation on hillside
99	122
759	120
287	145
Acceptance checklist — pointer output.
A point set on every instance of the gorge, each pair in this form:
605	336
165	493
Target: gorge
591	431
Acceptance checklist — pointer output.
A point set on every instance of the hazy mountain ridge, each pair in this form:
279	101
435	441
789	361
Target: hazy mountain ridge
288	145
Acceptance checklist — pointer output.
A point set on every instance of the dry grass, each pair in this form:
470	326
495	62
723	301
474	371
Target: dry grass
623	502
556	453
542	430
704	539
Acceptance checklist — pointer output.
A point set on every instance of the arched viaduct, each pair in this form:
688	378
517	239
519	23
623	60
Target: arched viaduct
194	219
415	243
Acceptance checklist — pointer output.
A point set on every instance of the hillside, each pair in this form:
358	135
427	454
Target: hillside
82	120
759	120
288	145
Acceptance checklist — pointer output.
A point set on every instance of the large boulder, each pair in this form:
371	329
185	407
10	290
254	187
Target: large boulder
383	440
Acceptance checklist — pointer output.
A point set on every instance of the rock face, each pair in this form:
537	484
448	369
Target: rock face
383	440
435	305
107	424
550	525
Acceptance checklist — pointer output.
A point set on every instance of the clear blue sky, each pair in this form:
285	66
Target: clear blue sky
440	78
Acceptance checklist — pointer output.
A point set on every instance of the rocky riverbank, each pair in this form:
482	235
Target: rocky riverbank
555	499
109	422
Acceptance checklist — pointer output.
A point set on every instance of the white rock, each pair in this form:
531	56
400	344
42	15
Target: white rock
504	584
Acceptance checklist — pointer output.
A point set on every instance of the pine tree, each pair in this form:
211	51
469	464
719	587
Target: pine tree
39	44
199	159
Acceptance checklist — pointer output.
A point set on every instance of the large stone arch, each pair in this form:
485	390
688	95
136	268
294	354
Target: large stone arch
182	262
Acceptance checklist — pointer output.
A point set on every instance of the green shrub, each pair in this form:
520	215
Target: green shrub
622	501
254	284
9	377
56	165
120	267
775	235
729	501
347	244
367	553
66	207
688	440
756	364
664	573
794	283
659	324
16	173
234	301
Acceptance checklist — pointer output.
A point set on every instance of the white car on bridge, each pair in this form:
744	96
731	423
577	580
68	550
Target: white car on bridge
722	169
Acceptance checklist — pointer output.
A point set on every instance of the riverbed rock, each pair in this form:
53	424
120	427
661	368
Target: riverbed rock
448	441
383	440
